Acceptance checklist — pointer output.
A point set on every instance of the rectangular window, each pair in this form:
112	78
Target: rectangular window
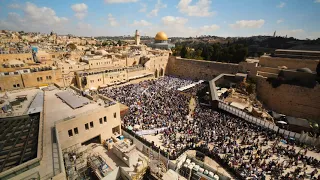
100	120
91	124
105	119
115	115
76	130
50	77
14	85
70	133
40	78
86	126
18	85
16	73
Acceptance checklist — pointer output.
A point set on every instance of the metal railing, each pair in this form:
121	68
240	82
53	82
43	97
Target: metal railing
303	138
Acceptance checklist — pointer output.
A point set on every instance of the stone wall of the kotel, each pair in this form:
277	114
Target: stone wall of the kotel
198	69
290	63
291	100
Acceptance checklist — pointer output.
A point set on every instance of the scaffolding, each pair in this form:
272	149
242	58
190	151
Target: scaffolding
98	165
75	159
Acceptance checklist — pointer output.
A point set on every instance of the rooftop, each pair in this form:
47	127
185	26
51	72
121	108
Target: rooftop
99	70
72	99
106	157
17	102
18	140
57	109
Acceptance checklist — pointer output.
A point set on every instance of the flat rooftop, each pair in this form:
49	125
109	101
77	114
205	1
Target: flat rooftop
18	140
19	100
107	156
57	109
99	70
114	161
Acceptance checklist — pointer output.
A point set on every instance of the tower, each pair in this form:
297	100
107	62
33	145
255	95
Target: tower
137	38
274	34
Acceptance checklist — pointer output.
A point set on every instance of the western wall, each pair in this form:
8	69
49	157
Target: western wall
198	69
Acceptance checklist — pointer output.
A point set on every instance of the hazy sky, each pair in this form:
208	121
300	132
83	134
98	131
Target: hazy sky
297	18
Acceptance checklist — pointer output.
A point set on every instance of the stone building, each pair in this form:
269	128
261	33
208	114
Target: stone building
15	74
24	57
101	120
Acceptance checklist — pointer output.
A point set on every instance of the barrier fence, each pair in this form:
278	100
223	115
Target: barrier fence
303	138
143	145
151	131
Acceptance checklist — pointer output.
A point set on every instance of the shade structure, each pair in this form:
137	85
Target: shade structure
282	122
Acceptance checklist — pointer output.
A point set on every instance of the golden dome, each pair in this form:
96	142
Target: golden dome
161	36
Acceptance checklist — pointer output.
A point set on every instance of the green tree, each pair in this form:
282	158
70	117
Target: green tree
207	52
176	50
104	43
198	53
184	52
119	42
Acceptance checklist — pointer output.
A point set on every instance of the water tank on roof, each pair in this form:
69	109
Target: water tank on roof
34	49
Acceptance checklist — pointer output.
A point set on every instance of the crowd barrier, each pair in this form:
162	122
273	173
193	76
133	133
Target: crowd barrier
303	138
142	144
150	131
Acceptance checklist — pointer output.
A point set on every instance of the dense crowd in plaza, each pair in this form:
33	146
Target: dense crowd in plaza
247	148
152	104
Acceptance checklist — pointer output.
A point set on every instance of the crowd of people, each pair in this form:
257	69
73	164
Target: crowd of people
153	103
247	148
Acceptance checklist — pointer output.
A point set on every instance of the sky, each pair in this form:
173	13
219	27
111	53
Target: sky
177	18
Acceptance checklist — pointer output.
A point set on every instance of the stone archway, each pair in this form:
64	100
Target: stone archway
161	72
156	73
